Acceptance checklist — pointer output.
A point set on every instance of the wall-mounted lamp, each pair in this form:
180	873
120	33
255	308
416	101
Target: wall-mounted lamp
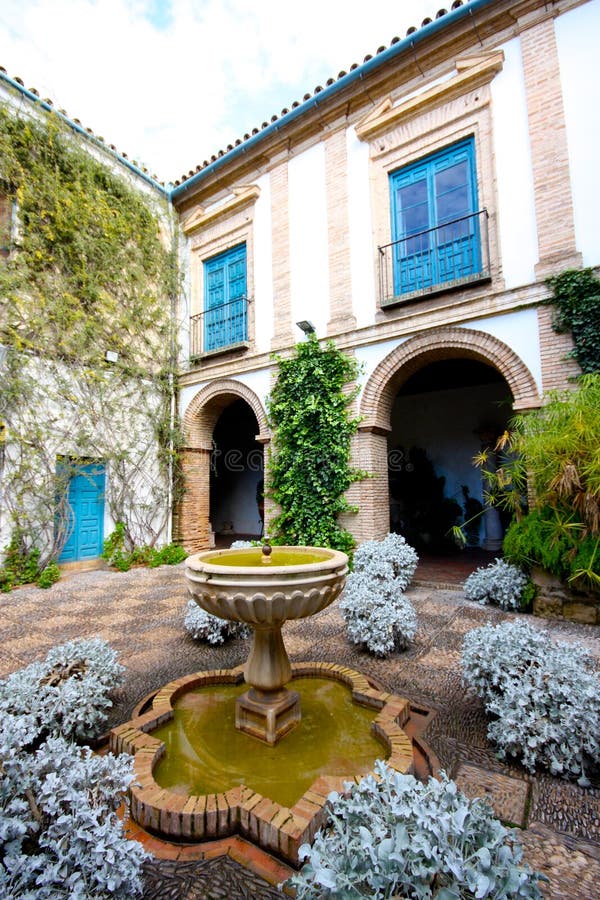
111	356
306	327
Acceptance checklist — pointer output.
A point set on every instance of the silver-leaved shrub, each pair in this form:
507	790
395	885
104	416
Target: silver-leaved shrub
391	559
60	836
500	583
393	836
67	693
204	627
544	696
377	613
59	831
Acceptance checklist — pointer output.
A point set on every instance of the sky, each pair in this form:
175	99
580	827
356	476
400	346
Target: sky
171	82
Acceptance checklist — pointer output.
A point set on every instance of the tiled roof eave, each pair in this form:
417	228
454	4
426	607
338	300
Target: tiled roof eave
468	8
84	132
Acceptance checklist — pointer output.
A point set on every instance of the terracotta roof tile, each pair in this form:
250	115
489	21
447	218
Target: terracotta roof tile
330	81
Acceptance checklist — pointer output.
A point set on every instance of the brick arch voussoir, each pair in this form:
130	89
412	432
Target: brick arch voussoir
204	410
448	343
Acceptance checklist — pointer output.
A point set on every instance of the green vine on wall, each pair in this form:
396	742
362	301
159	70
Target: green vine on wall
90	269
309	466
576	294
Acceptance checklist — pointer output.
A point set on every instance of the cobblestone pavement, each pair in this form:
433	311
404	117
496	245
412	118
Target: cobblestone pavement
140	613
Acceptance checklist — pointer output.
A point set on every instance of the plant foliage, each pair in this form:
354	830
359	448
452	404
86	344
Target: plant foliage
204	627
576	295
88	272
309	467
60	835
499	583
393	836
558	447
544	697
116	554
68	693
378	614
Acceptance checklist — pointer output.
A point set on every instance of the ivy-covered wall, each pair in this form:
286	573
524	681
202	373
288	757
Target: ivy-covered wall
90	269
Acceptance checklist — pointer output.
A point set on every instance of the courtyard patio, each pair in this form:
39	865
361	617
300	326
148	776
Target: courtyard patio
140	613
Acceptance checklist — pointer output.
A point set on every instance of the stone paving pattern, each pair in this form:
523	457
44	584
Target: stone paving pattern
140	613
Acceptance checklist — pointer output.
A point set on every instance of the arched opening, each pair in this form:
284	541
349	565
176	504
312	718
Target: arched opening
232	410
445	413
455	349
236	475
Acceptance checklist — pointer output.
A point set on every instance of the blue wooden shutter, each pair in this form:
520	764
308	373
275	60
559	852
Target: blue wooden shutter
225	299
437	236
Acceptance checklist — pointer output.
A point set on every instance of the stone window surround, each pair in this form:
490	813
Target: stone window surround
217	229
401	135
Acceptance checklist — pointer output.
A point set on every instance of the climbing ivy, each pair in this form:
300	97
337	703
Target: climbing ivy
576	294
90	270
309	465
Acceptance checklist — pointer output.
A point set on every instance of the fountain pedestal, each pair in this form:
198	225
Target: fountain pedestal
267	716
268	710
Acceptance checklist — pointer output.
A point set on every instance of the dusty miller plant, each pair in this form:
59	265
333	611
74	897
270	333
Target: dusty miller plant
393	836
59	831
378	614
60	835
544	697
68	693
500	583
205	627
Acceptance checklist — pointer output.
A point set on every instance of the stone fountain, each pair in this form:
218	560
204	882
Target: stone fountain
263	588
263	790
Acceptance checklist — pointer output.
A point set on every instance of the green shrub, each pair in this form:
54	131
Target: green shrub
21	564
117	556
48	576
310	463
555	540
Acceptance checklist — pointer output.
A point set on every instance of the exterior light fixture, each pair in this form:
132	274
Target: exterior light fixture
306	327
111	356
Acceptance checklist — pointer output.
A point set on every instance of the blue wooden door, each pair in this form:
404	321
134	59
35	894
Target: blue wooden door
86	514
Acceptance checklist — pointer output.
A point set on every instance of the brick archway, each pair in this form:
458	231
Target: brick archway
387	379
191	526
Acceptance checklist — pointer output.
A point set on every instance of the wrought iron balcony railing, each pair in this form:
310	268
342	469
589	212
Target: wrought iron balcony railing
453	254
220	328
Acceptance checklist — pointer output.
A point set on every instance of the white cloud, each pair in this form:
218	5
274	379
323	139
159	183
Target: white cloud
170	83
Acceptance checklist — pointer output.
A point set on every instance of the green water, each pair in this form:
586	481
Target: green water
254	557
205	754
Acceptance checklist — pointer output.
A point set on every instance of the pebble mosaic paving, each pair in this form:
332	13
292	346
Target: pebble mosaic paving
141	613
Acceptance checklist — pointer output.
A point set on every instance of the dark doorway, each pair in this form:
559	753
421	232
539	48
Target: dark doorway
236	476
441	417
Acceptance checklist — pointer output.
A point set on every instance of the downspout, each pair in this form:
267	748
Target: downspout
172	361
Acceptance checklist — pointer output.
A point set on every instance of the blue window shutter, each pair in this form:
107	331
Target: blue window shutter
225	300
434	227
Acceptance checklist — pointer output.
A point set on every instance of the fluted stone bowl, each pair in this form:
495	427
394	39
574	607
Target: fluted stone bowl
259	593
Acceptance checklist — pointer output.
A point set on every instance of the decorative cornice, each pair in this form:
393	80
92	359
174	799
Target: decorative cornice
473	72
202	216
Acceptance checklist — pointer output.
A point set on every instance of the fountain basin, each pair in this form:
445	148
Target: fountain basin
263	590
242	810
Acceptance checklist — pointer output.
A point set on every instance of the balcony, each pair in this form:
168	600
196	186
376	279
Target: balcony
449	256
220	329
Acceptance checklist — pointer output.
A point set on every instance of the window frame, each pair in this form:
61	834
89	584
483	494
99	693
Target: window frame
220	334
445	249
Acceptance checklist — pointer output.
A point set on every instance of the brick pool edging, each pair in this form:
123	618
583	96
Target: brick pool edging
240	810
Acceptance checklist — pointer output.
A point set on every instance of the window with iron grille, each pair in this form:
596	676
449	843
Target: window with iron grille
436	225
